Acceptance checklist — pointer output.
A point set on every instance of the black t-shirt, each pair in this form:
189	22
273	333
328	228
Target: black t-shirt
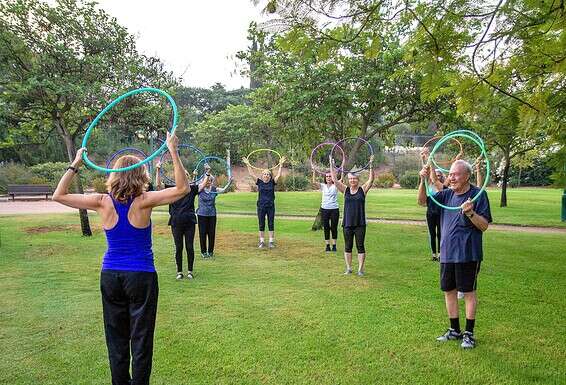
182	211
266	193
354	208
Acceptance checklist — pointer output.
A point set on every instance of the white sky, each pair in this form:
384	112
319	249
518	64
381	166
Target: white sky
200	37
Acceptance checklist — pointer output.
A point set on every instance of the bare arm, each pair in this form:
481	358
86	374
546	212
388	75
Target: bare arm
478	221
77	201
158	181
339	185
369	183
438	185
169	195
421	195
276	178
479	176
250	170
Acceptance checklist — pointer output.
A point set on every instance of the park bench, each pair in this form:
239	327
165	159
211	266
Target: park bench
28	189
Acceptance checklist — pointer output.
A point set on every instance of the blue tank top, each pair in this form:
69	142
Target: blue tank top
129	248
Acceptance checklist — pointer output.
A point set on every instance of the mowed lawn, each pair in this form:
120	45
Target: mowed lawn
526	206
284	316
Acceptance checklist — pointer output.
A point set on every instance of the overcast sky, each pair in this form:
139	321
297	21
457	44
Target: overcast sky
197	39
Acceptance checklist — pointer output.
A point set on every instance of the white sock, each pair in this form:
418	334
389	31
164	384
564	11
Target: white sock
261	239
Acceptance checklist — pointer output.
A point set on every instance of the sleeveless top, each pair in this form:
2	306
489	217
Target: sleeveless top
329	197
129	248
354	208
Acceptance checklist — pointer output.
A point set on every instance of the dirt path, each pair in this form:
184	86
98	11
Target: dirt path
21	207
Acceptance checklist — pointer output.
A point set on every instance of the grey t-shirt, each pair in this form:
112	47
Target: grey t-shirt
461	240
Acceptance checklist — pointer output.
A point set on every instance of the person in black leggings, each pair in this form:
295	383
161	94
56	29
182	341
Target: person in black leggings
329	211
354	221
183	220
266	201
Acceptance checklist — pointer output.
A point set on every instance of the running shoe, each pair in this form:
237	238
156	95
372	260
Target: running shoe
450	335
468	340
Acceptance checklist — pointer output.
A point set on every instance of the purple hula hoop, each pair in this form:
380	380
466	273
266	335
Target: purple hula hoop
313	166
341	168
123	150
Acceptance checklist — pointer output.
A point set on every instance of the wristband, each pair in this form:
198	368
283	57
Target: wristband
75	170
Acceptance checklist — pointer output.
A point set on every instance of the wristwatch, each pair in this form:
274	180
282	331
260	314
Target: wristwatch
76	170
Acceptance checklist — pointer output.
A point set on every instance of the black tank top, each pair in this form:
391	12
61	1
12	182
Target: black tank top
354	208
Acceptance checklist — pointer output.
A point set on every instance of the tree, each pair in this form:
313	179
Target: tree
60	65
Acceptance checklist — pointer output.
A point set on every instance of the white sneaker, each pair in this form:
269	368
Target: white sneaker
190	275
348	272
460	295
179	276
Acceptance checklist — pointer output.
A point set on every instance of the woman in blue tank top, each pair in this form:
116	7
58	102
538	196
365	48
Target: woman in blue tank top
128	280
354	221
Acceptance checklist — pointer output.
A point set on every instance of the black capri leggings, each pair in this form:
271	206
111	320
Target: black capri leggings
206	229
268	211
186	232
330	222
433	222
359	232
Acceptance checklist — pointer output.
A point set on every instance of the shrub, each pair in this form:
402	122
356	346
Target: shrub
99	184
51	172
14	173
410	179
293	183
406	162
385	180
221	181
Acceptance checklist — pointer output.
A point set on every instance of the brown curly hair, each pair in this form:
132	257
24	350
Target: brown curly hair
127	184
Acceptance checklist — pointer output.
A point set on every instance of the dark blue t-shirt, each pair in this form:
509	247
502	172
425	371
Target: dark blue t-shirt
266	196
461	241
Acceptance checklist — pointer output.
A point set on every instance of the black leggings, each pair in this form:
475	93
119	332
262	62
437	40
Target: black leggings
433	222
206	228
359	232
186	232
330	222
129	308
261	213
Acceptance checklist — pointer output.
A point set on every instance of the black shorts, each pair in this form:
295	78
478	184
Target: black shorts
461	276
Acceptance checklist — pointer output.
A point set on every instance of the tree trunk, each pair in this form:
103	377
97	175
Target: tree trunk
70	146
504	181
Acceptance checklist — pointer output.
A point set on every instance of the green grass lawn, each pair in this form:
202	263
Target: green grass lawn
526	206
285	316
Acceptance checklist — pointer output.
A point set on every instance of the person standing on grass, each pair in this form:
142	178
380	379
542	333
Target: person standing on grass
128	280
266	201
329	210
354	221
206	213
461	250
182	220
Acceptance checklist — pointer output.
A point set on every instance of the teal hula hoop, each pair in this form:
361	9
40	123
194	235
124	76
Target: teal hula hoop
228	168
93	124
474	138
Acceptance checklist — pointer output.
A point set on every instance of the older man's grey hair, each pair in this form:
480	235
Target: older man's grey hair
465	165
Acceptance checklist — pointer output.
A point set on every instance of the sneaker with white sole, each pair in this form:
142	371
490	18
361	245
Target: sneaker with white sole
460	295
450	335
190	275
261	245
360	273
348	272
271	245
179	276
468	340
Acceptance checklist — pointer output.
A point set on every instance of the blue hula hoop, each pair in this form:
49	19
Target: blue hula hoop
123	150
228	169
184	145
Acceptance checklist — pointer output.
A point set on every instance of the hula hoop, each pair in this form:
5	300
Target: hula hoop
341	169
190	146
126	149
228	168
446	161
93	124
477	140
268	150
325	144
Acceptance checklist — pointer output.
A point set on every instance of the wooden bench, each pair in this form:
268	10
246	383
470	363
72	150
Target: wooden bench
28	189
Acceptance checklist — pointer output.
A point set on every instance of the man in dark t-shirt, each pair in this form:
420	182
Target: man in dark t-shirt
461	249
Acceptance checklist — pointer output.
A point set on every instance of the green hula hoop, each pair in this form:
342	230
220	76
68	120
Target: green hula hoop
268	150
474	138
93	124
452	134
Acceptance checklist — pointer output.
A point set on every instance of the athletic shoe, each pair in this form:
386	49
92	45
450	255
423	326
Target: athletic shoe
190	275
261	245
460	295
204	255
450	335
271	245
360	273
348	272
435	258
334	248
179	276
468	340
327	248
210	255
